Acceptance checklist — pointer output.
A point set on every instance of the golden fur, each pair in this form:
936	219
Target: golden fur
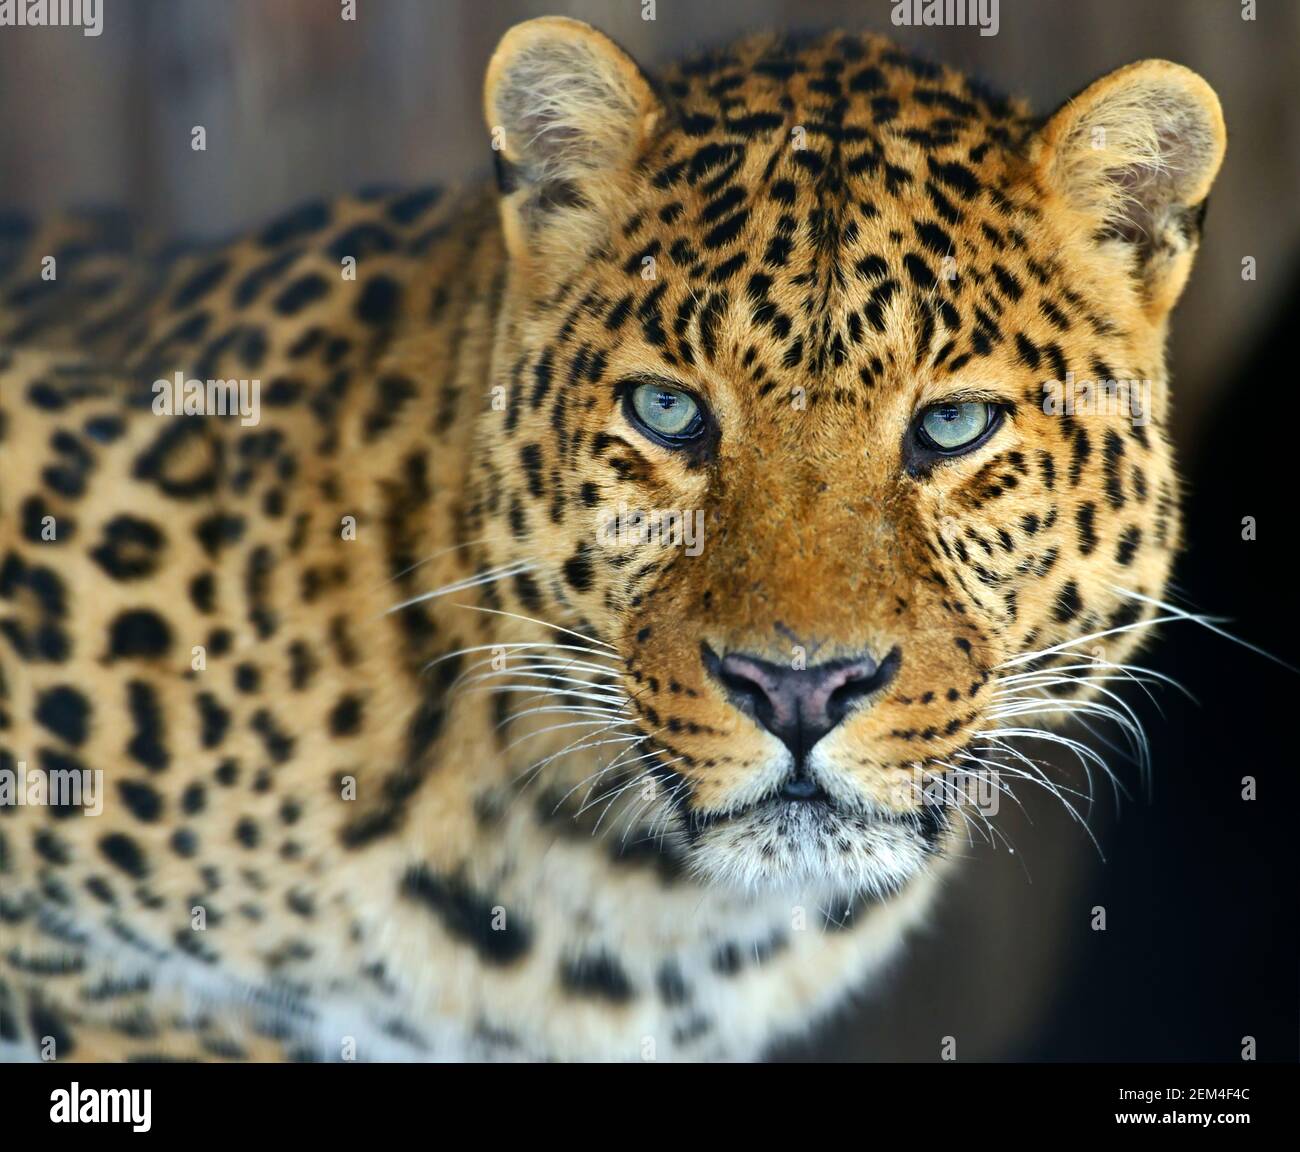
322	662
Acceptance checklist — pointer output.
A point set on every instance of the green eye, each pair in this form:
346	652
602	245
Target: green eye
668	414
951	427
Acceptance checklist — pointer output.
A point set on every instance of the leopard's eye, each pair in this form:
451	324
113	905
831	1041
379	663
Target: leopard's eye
669	415
951	428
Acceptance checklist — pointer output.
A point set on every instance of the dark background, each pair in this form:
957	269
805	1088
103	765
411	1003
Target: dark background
1199	886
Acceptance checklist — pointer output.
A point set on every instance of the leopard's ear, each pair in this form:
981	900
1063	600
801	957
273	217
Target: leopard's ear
569	112
1133	157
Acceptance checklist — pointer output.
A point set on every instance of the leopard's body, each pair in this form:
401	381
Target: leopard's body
308	657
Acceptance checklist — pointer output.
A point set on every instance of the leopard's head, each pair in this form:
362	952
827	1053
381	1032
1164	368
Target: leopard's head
833	419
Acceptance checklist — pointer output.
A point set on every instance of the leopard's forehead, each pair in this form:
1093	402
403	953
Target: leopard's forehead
754	84
835	204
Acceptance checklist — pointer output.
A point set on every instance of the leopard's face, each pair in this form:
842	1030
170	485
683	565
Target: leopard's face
796	431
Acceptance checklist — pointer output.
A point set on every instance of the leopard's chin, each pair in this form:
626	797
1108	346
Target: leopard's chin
814	846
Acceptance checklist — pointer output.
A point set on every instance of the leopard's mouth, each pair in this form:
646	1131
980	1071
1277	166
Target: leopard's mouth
814	842
817	811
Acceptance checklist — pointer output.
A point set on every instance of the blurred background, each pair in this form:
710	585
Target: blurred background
1199	885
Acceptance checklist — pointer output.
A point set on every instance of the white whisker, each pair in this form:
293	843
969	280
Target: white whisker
433	556
576	710
542	623
1208	622
491	576
522	644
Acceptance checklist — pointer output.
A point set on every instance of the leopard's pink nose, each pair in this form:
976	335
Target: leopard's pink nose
799	705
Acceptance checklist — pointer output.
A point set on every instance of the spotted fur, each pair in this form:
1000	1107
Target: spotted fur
340	752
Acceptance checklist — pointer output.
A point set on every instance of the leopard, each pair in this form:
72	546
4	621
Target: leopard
553	661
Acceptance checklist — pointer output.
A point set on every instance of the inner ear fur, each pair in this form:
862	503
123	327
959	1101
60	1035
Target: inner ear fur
1133	157
570	112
